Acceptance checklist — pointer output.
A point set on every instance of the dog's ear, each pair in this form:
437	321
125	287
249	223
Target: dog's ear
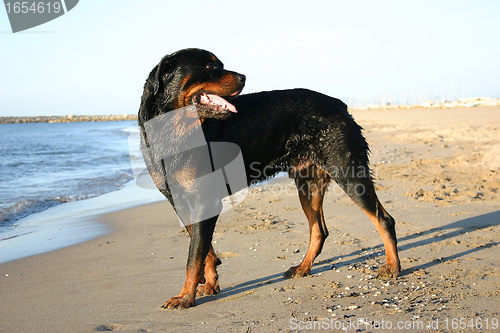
163	66
162	74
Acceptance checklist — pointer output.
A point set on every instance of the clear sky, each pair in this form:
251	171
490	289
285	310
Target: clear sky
95	58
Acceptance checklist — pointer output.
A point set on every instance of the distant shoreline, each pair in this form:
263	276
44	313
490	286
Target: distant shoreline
64	119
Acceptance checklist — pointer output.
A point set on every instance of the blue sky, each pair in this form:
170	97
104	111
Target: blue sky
95	58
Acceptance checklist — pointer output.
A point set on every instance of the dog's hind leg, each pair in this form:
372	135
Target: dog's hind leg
311	192
362	192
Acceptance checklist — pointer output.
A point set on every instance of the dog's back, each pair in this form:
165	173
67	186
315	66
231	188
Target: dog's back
278	129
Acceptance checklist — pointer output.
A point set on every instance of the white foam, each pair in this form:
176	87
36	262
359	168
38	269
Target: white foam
69	223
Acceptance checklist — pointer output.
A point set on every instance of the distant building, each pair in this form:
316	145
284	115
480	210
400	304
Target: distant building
478	101
427	103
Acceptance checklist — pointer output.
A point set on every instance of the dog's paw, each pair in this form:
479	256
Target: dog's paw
207	290
388	271
296	271
179	302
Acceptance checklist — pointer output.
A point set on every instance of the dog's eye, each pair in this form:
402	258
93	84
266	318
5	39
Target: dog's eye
211	66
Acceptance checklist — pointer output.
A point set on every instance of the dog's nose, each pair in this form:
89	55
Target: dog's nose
242	78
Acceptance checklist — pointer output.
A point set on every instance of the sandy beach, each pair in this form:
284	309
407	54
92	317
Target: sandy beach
437	173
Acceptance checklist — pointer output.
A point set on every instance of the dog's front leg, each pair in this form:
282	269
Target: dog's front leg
201	239
210	285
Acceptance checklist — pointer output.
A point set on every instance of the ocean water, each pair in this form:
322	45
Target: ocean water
43	165
54	178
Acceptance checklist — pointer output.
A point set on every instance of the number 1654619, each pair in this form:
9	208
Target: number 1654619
35	8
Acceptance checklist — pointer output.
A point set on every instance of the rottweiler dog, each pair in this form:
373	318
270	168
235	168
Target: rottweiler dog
310	135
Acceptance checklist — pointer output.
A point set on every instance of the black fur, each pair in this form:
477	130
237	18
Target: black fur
305	133
275	130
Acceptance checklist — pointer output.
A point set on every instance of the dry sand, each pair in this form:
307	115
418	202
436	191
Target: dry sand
437	173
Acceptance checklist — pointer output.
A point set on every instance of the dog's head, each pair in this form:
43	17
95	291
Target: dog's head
190	77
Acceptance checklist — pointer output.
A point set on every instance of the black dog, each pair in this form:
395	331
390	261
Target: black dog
308	134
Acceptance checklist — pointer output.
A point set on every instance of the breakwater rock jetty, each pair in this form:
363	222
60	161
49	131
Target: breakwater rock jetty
64	119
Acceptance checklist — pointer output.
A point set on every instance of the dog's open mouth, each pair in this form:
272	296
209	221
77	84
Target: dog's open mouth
214	103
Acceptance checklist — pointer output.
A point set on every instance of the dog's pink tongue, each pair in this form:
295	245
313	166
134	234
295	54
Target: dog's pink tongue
214	99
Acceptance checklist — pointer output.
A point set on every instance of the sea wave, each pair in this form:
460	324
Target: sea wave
44	165
88	188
